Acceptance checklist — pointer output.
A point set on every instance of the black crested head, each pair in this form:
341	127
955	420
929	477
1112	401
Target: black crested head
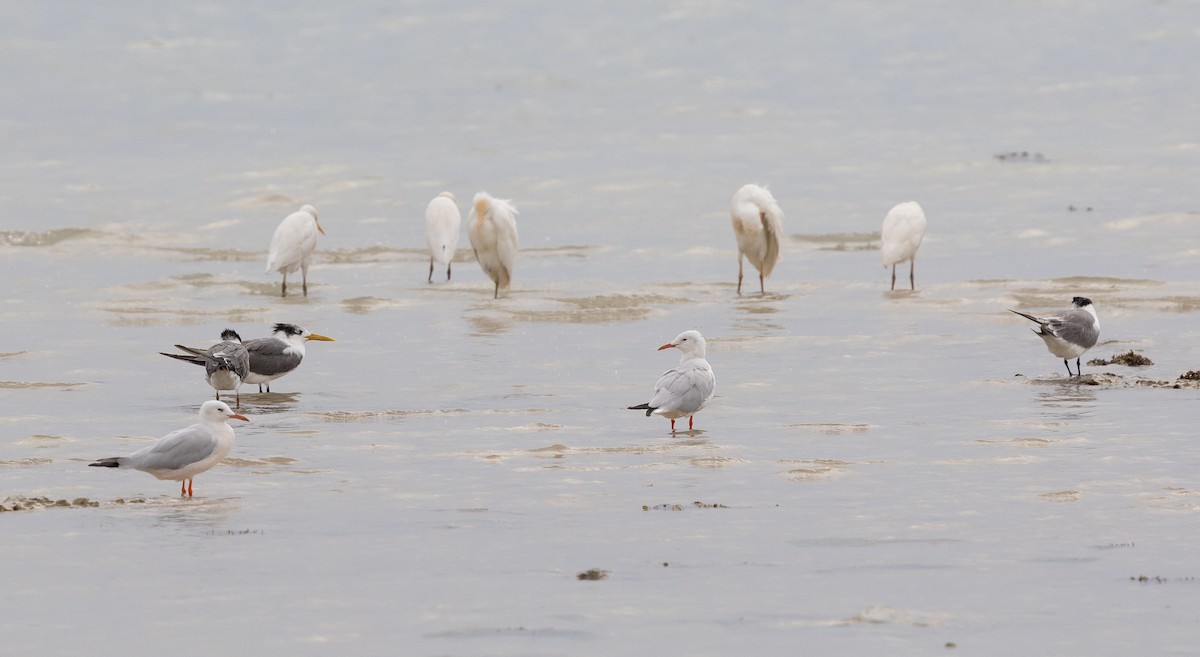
288	329
1080	302
231	335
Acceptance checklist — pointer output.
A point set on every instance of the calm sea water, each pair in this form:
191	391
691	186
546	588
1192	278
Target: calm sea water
905	473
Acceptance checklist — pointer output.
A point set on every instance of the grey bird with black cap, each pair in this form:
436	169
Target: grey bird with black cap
1070	333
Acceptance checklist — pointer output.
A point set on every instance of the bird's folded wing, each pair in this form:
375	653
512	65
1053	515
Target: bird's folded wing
177	449
270	356
682	388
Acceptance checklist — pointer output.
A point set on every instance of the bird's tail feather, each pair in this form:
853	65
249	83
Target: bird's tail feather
187	358
1027	316
643	407
772	254
111	462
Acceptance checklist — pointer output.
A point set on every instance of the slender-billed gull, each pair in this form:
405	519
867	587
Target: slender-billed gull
184	453
685	389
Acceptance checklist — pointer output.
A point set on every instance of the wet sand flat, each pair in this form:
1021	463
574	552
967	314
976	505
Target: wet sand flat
879	472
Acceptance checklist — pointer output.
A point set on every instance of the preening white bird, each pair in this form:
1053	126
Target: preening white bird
492	229
270	357
903	230
758	226
185	453
1070	333
442	222
685	389
226	364
293	244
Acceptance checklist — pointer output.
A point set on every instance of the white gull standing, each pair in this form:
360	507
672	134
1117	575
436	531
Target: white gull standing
685	389
184	453
903	230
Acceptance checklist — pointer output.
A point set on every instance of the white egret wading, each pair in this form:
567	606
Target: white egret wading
1070	333
293	244
442	222
492	228
685	389
903	230
184	453
758	226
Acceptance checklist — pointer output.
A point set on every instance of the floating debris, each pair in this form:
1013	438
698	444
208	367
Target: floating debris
1130	358
1160	580
1021	156
679	507
234	532
592	575
1190	375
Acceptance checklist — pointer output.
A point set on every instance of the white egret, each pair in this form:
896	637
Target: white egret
442	221
903	230
685	389
1070	333
293	244
185	453
758	226
493	233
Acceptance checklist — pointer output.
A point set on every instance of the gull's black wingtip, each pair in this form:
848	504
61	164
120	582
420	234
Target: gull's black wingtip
643	407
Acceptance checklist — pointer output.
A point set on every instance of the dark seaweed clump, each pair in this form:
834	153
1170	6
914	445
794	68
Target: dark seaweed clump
1130	358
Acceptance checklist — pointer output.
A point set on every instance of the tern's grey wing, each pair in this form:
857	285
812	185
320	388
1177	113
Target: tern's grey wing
191	350
1074	326
227	355
269	357
176	450
684	388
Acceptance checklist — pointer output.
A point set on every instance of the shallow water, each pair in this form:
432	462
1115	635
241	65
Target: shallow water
880	473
